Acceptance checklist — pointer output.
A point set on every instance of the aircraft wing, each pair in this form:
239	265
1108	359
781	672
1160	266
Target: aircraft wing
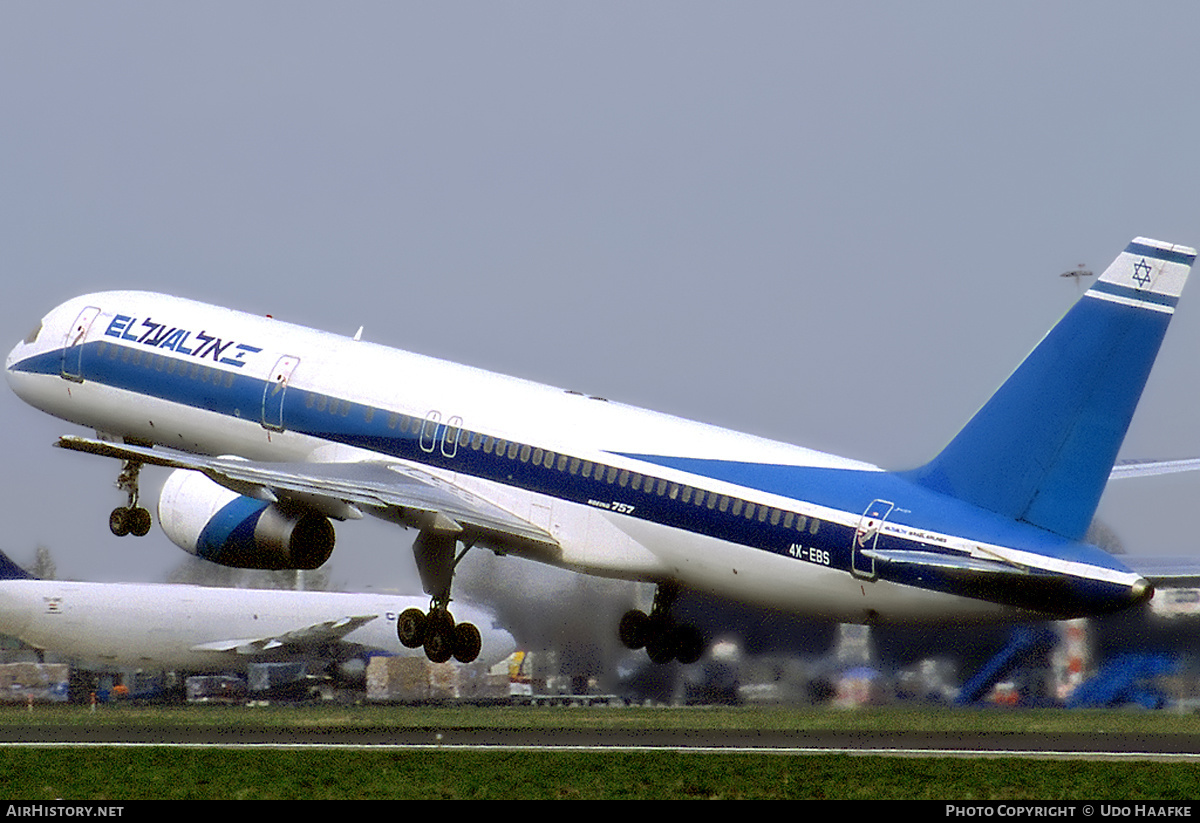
1147	468
320	634
394	491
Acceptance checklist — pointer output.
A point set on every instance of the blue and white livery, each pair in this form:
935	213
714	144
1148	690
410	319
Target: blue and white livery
276	428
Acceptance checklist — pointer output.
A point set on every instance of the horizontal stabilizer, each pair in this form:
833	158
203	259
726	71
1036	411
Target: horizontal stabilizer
998	581
1166	572
1150	468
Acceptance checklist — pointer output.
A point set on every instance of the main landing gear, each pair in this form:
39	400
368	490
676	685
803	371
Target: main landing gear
664	639
131	519
436	630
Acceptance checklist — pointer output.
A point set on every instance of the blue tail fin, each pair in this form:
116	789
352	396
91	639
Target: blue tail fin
1042	448
11	571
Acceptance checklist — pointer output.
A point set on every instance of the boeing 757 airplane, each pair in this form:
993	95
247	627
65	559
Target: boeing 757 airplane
202	629
273	429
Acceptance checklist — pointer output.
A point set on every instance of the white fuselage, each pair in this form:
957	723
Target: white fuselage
196	628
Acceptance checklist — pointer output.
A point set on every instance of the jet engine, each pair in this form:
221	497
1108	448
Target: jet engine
210	521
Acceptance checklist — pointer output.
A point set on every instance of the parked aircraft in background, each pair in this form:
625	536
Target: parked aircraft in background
202	629
277	428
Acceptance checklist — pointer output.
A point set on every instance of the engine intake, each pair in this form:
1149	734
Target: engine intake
210	521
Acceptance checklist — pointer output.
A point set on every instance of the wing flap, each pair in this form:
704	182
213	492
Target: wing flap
318	634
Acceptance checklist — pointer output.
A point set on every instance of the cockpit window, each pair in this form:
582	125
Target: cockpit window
33	335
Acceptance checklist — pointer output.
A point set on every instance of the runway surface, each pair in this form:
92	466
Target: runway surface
930	744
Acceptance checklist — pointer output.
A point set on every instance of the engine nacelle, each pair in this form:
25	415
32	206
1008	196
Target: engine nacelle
210	521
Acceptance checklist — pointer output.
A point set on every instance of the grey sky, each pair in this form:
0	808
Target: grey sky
834	224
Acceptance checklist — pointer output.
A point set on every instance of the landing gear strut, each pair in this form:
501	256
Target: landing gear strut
664	639
436	630
130	519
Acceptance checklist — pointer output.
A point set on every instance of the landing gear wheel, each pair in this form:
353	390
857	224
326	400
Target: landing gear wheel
689	644
130	518
439	636
139	522
118	521
660	642
410	628
467	642
633	629
664	639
